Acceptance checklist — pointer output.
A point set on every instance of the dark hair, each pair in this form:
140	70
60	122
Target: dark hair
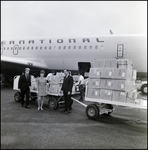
42	71
53	72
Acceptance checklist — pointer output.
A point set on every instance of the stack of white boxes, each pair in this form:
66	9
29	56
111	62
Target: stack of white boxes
56	83
112	80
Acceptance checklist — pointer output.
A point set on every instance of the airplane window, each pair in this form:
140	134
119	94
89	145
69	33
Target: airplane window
23	48
45	47
79	47
11	48
49	47
41	47
90	47
59	47
32	48
74	47
7	48
20	48
36	47
69	47
4	48
27	48
85	47
96	47
64	47
54	47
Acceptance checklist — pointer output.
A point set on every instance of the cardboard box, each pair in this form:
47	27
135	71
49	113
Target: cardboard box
134	75
93	93
95	72
94	83
54	88
99	63
124	62
106	83
111	63
132	94
125	66
131	101
55	79
119	96
121	85
107	73
106	94
122	73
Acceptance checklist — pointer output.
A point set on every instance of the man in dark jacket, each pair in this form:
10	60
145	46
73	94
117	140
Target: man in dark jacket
24	86
67	90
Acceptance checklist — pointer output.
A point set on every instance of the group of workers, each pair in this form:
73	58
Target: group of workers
24	85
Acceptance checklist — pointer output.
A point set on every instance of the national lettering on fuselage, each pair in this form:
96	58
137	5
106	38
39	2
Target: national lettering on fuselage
48	41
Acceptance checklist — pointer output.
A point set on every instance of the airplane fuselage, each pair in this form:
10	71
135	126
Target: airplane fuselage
66	53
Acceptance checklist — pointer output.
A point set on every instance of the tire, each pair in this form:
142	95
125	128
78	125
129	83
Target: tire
92	111
52	103
109	106
17	97
144	89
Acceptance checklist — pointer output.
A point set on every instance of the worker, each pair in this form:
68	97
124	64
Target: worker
80	83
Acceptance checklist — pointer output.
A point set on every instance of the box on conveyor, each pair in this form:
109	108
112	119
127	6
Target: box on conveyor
106	83
119	96
94	83
99	63
106	94
111	63
93	93
54	88
107	73
95	72
123	73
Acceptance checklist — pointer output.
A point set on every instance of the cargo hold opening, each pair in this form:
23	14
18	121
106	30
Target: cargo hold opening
84	67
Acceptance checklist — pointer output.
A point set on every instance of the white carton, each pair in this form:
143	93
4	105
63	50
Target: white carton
54	88
132	94
111	63
122	73
121	85
107	73
99	63
106	83
106	94
93	93
94	83
119	96
95	72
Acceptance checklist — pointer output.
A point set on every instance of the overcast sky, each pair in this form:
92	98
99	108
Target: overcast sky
72	18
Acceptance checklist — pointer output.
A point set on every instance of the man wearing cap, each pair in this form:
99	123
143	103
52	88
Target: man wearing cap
24	86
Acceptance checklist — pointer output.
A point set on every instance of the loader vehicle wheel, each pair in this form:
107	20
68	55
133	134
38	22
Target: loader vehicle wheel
109	106
52	103
92	111
144	89
17	97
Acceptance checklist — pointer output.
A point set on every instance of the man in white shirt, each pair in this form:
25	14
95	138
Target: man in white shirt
48	78
80	83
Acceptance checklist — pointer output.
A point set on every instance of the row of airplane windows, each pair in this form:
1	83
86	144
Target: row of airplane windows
51	47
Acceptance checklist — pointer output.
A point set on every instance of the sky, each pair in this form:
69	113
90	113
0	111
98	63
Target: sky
72	18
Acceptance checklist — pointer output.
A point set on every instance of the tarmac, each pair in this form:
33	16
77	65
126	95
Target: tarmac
22	128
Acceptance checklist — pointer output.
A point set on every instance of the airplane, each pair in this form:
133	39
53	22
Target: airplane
72	53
